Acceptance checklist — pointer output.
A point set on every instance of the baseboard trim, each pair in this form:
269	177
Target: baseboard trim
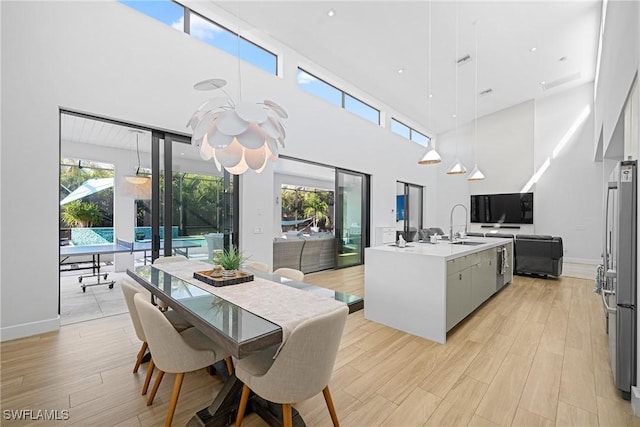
29	329
635	401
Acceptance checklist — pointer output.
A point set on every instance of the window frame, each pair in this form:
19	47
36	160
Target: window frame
343	95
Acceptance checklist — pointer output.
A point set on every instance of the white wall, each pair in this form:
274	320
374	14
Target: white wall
514	144
619	64
504	152
568	195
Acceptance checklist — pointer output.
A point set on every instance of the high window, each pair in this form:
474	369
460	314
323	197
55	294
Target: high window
201	28
335	96
407	132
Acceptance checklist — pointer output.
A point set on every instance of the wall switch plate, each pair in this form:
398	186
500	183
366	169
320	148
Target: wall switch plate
257	230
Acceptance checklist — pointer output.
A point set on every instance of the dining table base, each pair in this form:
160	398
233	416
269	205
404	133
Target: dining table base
223	410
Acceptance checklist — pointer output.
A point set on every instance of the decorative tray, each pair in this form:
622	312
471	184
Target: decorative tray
206	277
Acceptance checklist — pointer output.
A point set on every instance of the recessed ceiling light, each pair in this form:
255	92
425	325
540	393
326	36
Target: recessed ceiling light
454	116
182	154
533	49
430	95
331	12
543	83
400	70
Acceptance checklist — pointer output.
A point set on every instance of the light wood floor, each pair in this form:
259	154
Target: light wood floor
535	354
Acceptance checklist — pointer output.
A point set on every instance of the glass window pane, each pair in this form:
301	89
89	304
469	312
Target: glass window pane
319	88
360	108
400	129
163	10
220	37
215	35
419	138
258	56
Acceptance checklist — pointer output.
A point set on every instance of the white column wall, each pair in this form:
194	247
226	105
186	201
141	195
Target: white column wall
618	65
568	195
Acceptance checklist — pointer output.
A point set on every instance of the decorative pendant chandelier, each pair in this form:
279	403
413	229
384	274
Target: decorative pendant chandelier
238	136
137	178
476	174
457	168
431	156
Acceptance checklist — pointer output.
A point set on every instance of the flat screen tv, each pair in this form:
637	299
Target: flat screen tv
509	208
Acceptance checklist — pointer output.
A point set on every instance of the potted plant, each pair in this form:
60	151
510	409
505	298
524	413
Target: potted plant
231	259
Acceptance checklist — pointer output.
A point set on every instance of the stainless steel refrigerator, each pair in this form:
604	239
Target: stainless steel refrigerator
619	289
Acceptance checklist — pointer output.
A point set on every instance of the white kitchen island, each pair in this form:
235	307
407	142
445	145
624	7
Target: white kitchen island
426	289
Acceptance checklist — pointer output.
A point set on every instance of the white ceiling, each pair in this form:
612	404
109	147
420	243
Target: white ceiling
366	42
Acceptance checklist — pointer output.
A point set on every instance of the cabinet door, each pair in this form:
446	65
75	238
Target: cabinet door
483	279
458	297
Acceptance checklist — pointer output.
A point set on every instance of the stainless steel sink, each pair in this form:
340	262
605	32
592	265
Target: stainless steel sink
467	242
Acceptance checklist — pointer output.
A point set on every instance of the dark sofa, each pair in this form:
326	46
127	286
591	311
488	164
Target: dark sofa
538	254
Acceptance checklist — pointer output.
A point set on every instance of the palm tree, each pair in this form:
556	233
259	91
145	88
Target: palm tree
315	207
81	214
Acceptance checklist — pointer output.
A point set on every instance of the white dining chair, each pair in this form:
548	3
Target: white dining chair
130	289
301	369
174	352
290	273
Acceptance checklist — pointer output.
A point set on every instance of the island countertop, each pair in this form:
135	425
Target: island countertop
426	289
445	249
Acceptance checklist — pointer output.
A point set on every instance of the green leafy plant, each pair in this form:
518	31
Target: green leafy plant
81	214
231	259
315	207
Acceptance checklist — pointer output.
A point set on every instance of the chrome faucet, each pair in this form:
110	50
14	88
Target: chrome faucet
466	214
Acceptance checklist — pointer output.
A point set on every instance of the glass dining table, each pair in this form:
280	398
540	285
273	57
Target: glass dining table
236	329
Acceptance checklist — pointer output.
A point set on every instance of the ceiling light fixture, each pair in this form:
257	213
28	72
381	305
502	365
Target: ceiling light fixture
476	174
457	168
137	178
331	12
238	136
400	70
431	156
533	49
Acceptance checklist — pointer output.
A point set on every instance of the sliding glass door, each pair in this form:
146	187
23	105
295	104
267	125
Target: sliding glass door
352	217
195	204
409	210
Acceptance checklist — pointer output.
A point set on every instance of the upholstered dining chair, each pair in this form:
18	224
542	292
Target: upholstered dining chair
174	352
257	265
301	369
130	289
290	273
